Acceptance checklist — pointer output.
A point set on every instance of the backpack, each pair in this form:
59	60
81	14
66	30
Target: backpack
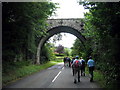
76	64
83	63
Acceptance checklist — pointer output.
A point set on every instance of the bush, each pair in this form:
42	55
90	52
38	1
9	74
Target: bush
47	53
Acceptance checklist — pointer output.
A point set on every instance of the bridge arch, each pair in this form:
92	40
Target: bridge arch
56	30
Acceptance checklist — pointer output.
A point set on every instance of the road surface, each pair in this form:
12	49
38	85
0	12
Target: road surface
56	76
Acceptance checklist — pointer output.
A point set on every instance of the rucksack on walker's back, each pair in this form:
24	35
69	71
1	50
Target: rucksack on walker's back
76	64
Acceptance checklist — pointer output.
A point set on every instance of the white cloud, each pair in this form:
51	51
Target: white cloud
69	9
67	40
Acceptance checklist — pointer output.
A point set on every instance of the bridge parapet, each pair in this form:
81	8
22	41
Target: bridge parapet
75	23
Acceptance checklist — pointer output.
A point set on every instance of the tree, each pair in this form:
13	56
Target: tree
102	27
67	51
78	49
57	37
23	24
60	49
47	53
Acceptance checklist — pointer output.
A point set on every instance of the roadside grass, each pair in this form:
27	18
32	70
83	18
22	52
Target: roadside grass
98	77
59	59
19	73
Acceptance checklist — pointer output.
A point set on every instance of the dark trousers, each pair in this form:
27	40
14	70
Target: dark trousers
82	71
77	73
69	64
91	69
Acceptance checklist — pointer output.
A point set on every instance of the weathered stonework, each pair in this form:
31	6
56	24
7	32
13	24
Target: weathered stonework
73	26
75	23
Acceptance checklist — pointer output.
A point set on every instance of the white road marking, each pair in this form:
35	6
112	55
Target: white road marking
56	76
62	68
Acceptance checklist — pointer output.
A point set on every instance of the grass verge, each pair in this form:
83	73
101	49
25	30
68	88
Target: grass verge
98	77
59	59
19	73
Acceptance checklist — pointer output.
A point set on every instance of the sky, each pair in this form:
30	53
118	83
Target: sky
68	9
67	40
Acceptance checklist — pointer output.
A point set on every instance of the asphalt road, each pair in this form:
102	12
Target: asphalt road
56	76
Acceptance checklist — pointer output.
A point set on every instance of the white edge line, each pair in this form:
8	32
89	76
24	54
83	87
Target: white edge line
56	77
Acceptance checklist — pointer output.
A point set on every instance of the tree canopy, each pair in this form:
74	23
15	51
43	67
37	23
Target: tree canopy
102	34
23	25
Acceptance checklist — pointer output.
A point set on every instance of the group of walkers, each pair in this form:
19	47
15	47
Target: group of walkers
67	61
78	67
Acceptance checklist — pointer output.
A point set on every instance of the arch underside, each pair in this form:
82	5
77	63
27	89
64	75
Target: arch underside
65	29
57	30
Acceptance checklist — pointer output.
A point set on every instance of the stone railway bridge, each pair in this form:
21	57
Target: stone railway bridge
73	26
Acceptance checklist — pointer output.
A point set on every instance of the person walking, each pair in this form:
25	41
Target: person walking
64	60
83	66
91	66
69	60
76	66
72	65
